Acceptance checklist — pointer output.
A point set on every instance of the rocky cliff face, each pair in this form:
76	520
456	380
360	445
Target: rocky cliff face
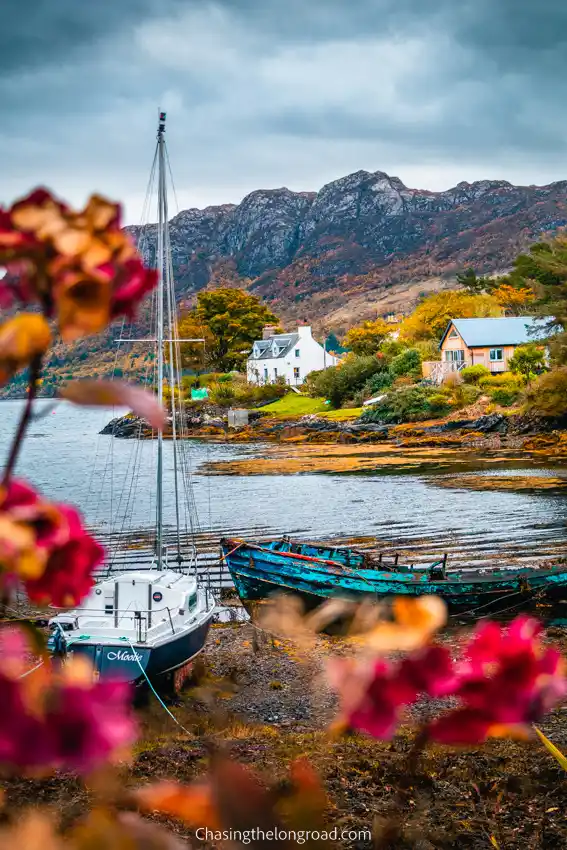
361	233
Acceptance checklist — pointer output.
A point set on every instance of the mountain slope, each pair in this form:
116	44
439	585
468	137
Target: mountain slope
363	245
313	253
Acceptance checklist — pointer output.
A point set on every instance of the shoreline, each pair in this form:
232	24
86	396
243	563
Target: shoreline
317	445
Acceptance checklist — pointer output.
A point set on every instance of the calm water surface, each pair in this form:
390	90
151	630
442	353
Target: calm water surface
67	459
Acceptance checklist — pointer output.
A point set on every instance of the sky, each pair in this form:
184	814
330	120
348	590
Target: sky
270	93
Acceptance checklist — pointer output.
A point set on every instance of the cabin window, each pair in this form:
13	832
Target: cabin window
192	600
452	356
298	352
497	354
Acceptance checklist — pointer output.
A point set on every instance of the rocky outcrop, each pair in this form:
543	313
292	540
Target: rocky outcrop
366	228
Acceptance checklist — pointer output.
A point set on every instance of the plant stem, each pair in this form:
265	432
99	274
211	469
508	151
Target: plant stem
35	369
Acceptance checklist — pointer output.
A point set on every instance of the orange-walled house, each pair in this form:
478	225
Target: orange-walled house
488	342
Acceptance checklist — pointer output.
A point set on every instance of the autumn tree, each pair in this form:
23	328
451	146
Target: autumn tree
230	320
367	337
515	301
527	361
197	356
433	314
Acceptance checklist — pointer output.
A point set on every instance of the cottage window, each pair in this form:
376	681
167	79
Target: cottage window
497	354
265	373
296	373
453	334
452	356
275	373
297	352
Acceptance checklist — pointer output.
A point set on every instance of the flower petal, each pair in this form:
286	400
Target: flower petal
111	393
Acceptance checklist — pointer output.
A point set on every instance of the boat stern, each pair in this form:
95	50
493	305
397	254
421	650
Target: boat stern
120	662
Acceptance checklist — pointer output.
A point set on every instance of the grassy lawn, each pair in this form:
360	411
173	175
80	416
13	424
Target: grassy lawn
293	405
347	413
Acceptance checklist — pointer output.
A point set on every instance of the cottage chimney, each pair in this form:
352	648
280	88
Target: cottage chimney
304	331
268	331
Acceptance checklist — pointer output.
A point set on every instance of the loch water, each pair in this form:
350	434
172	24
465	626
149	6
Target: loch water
67	459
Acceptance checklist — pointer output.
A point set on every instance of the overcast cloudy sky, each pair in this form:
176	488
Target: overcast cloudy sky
265	93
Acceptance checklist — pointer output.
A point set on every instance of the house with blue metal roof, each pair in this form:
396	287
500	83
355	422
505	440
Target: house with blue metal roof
487	342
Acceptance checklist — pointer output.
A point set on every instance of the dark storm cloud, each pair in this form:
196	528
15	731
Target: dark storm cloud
267	92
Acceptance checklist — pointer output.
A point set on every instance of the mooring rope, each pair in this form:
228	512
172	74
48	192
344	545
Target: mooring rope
155	693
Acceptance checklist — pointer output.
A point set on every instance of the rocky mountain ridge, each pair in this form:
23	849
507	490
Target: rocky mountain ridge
364	233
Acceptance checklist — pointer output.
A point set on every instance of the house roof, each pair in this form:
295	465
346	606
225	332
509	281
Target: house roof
511	330
265	346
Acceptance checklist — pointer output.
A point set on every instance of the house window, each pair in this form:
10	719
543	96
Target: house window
497	354
297	352
265	373
296	373
275	373
453	334
452	356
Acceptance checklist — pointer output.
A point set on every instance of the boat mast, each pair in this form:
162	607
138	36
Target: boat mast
162	219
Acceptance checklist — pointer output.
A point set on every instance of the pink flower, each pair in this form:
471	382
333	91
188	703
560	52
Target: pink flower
507	681
46	547
131	284
89	724
68	574
59	719
373	697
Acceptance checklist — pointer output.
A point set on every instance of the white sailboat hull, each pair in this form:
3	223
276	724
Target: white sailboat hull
126	641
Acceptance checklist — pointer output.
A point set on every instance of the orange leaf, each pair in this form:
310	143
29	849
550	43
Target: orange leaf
416	620
110	393
21	339
190	803
310	794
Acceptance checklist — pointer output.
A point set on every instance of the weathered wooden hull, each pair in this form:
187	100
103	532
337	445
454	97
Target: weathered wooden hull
259	572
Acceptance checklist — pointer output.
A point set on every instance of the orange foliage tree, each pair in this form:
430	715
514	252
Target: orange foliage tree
433	314
514	301
367	337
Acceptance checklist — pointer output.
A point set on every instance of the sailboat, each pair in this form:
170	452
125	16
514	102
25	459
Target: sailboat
148	621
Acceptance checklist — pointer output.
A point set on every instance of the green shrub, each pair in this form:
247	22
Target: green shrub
548	394
473	374
342	382
406	363
503	387
469	394
504	395
222	394
390	348
499	379
409	404
377	383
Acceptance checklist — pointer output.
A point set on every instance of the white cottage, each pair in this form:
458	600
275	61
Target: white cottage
289	356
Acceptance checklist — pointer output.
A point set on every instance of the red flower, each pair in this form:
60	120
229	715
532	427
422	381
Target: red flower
46	547
373	698
508	681
58	720
68	575
88	723
131	284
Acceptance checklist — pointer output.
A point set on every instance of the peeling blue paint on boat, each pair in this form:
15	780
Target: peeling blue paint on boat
279	566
